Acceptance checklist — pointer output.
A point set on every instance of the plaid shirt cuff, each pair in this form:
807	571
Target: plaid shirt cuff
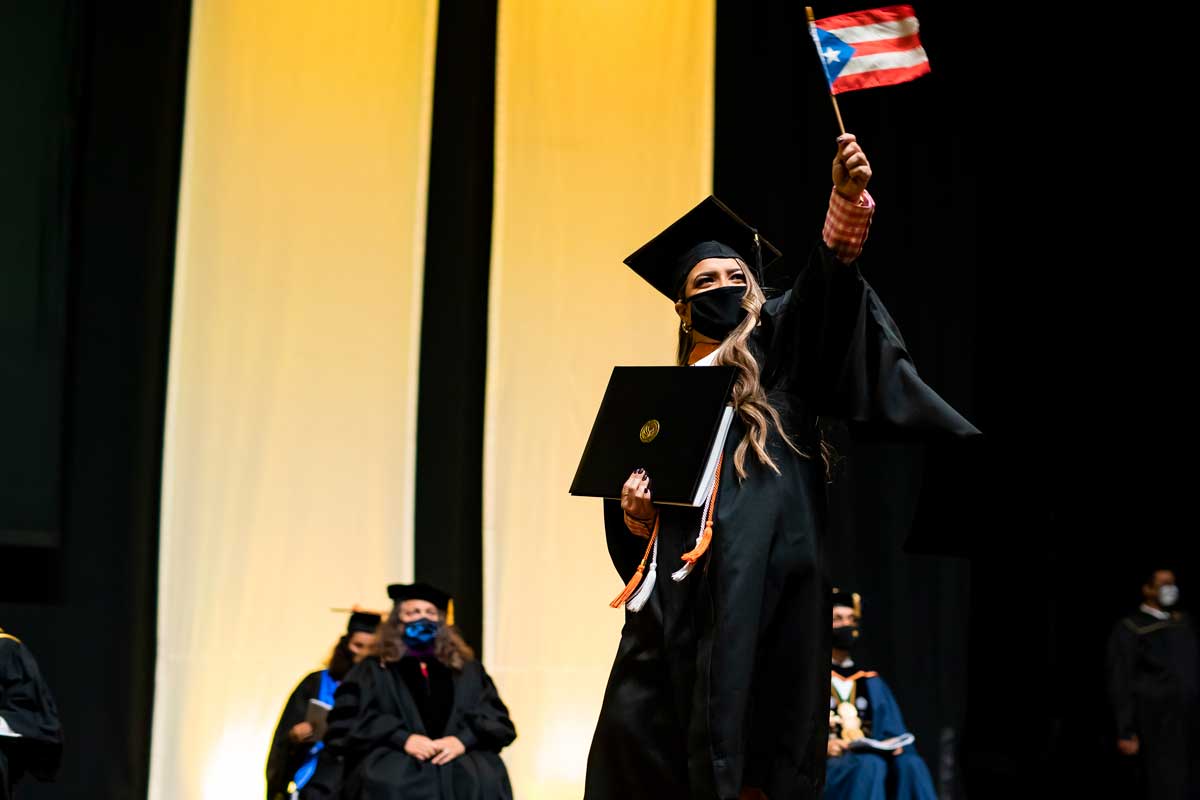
846	225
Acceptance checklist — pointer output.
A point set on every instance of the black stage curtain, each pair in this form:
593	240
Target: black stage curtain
1032	218
87	608
39	71
775	131
449	482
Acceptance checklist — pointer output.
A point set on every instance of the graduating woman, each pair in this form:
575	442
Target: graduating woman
298	765
719	687
422	721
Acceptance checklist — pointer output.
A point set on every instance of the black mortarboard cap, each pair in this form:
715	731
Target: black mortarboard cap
423	591
710	230
846	598
361	619
419	591
366	621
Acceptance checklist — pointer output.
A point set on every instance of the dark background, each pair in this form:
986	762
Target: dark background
1029	242
96	134
1027	247
38	62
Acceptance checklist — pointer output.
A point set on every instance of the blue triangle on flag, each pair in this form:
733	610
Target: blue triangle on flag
835	54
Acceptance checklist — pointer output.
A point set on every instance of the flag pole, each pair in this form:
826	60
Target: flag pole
812	29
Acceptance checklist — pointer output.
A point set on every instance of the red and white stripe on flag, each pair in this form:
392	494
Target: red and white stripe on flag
878	47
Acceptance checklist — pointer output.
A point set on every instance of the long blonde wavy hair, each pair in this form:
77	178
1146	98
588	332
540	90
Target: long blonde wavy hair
749	399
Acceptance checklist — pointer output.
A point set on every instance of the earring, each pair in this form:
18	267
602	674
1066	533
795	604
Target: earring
683	326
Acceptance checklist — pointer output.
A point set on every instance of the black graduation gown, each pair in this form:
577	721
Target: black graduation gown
431	685
1152	683
721	680
28	708
375	713
285	757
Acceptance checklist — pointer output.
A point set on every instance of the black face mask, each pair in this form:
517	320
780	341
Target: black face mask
717	312
845	637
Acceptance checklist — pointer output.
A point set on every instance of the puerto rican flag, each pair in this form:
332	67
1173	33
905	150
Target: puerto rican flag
878	47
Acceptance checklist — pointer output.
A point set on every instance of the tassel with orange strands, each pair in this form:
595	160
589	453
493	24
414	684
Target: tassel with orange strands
705	539
632	586
693	555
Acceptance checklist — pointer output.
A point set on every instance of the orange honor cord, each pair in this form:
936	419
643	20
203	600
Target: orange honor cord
632	586
706	537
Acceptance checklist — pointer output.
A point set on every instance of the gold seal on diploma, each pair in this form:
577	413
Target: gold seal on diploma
649	431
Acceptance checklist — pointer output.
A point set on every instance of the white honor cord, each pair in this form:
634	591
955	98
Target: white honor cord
642	594
686	569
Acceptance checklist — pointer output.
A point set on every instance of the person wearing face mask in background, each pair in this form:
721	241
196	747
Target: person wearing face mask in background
422	720
1152	685
862	705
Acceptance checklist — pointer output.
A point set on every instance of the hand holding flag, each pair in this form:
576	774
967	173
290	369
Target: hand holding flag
851	170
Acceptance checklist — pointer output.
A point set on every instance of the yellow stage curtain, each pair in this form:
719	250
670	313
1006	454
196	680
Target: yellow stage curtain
603	136
288	464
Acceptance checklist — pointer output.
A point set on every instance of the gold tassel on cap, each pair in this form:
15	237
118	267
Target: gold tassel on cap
357	609
450	612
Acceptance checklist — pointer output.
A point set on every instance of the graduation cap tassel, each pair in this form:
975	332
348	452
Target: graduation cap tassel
693	555
705	538
640	597
632	586
705	529
683	571
758	267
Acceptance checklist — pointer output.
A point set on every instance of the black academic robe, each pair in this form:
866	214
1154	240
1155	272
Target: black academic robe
721	682
430	683
1152	683
286	757
28	708
375	713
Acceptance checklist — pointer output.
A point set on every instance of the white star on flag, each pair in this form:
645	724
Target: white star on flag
831	55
